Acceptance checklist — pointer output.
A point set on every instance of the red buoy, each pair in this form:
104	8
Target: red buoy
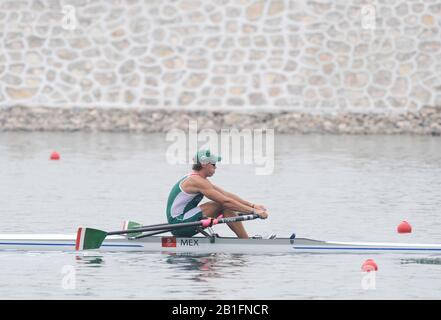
369	265
55	156
404	227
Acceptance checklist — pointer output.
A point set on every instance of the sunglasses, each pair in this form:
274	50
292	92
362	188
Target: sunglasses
213	164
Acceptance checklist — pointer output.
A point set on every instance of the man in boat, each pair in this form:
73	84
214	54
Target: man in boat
183	201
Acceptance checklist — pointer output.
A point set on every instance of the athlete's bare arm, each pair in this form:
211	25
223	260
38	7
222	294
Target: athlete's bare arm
198	184
208	189
232	195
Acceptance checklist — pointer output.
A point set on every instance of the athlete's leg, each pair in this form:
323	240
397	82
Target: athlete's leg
213	209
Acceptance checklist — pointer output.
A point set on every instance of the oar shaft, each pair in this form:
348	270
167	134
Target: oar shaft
222	220
167	224
155	228
204	223
145	235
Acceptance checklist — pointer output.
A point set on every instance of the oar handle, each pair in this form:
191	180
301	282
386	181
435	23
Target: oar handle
208	222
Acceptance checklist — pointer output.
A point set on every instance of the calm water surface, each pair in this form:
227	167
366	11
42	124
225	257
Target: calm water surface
348	188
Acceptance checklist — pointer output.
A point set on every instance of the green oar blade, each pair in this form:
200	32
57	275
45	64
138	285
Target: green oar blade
88	238
128	225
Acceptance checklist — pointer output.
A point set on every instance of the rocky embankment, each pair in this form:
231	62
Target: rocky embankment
426	121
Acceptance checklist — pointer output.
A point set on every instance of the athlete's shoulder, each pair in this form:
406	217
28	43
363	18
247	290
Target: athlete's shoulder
198	180
196	177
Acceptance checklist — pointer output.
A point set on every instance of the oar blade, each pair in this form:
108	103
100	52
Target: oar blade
88	238
129	225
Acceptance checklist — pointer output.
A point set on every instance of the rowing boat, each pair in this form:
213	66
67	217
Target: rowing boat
67	242
135	237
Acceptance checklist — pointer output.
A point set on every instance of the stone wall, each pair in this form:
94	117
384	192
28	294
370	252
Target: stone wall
304	56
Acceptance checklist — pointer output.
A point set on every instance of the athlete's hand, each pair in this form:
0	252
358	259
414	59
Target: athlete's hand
262	213
259	206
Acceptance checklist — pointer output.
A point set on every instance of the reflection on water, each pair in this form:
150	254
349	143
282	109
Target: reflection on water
204	272
422	261
207	265
201	267
90	261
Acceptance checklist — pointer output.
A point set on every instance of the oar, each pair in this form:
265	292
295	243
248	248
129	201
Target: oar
88	238
127	225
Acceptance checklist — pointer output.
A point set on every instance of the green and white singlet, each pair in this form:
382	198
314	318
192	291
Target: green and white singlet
183	207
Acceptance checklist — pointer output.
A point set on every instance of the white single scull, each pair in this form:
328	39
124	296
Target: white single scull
135	237
67	242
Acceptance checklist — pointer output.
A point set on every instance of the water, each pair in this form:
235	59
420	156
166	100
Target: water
348	188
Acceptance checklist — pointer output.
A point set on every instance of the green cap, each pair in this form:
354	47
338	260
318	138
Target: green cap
205	156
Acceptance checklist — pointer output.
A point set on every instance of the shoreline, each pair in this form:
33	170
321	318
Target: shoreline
426	121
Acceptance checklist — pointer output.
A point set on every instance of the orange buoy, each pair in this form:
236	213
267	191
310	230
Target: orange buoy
404	227
369	265
55	156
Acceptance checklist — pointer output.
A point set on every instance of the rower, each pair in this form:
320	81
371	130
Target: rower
187	193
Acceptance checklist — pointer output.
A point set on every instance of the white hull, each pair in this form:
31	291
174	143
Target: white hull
54	242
